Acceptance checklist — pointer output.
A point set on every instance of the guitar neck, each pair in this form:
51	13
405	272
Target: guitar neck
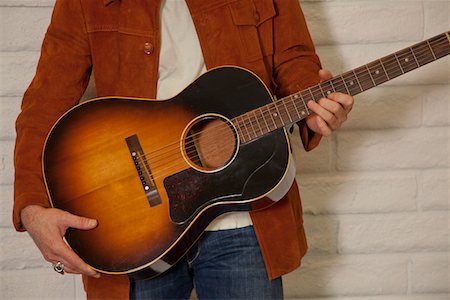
293	108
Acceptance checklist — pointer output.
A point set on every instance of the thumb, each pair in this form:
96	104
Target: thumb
325	75
77	222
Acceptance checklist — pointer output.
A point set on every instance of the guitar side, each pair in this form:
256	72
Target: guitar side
89	171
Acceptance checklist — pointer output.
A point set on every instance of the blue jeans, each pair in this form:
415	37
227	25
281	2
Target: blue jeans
225	264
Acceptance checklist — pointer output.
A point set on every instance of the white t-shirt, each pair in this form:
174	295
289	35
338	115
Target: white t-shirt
181	62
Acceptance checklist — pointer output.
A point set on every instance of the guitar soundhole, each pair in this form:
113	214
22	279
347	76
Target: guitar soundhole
210	143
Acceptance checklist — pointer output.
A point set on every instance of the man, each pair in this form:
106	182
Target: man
152	49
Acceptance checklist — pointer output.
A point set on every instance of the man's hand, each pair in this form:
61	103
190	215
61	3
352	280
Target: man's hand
47	227
329	113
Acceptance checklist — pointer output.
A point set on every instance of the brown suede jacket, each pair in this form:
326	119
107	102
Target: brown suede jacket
119	42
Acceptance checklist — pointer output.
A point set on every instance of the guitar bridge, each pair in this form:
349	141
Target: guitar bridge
143	170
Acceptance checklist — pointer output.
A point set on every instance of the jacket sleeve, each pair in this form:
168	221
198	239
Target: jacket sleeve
61	78
296	65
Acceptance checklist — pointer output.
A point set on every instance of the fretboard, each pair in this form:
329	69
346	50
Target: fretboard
293	108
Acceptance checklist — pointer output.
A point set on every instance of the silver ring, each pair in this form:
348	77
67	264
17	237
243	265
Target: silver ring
59	267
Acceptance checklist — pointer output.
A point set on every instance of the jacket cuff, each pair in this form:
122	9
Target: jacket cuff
310	139
24	200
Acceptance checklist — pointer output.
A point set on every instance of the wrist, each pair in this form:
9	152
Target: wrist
28	212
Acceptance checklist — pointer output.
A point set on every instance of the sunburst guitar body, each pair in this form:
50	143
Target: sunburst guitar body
156	173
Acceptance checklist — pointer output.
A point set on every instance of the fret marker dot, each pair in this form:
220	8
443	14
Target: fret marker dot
407	59
351	82
303	112
377	72
275	114
328	92
295	96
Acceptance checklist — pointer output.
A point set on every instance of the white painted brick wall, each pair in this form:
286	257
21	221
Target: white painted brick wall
375	194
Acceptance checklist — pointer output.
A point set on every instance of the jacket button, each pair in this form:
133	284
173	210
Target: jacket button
148	48
256	16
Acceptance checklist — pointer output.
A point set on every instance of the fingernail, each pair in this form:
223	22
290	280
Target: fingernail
92	222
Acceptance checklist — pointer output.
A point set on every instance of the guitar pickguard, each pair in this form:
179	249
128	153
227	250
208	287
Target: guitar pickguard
190	191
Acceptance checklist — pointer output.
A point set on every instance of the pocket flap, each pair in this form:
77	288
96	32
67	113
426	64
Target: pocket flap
248	12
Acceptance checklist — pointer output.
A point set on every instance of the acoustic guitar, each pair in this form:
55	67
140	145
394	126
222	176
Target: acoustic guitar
156	173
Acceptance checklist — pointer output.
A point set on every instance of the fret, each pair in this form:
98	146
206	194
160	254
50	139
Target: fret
304	104
321	90
271	115
431	49
415	58
399	64
249	121
351	83
287	111
284	113
339	84
332	86
406	60
370	74
328	87
422	53
345	84
312	95
237	124
316	93
378	74
364	78
295	96
387	75
278	115
257	122
242	122
391	66
357	80
440	46
264	118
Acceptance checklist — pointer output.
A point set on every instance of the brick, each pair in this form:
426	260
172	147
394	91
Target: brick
37	284
388	107
350	275
322	234
80	294
358	192
360	22
384	297
17	72
436	15
18	251
9	110
6	198
317	160
436	106
27	3
6	162
393	149
435	190
430	273
404	232
24	27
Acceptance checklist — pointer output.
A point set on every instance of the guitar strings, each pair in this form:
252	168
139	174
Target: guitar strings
293	104
341	86
387	64
180	163
255	122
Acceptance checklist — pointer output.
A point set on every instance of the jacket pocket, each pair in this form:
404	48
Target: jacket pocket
254	19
